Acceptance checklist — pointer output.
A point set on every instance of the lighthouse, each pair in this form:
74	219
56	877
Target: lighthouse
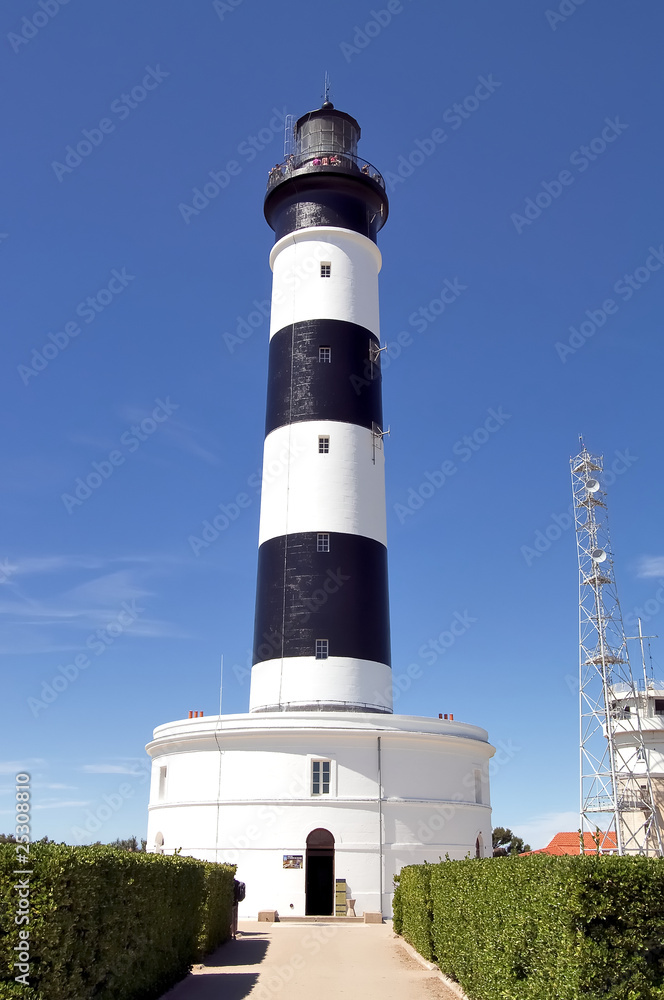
322	636
320	793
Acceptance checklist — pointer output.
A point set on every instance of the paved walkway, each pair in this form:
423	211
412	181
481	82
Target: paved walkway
311	962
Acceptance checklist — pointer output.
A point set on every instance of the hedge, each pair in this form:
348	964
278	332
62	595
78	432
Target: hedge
109	923
541	927
218	907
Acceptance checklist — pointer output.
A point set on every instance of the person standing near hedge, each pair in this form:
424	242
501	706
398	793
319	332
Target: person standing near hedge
239	892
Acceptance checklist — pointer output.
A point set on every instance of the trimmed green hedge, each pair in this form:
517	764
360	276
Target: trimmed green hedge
108	923
541	927
218	908
412	912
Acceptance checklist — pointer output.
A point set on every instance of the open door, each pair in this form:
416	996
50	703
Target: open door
320	874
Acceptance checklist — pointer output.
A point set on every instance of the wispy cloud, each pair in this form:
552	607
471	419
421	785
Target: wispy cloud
650	566
183	437
540	830
114	768
17	766
61	804
191	440
54	623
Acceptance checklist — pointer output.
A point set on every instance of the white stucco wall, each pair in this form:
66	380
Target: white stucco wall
238	790
303	490
298	294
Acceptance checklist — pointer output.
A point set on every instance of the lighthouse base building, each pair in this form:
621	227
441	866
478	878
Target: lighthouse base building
320	794
303	801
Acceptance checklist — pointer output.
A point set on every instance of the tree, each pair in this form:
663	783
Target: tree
9	838
129	844
506	843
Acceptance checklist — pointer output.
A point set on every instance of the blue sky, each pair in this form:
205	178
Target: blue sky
494	202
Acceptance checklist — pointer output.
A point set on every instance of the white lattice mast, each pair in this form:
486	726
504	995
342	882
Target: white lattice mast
616	786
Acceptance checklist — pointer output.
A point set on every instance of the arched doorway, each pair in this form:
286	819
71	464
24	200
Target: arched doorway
320	874
479	847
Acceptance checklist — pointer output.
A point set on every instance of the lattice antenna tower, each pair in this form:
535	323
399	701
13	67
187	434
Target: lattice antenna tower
616	787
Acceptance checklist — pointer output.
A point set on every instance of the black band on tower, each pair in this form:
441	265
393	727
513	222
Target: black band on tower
341	197
304	385
304	595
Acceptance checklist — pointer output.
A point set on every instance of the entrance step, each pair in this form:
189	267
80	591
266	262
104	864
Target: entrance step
321	920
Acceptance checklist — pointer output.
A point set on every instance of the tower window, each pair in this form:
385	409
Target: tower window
325	355
320	777
478	787
325	268
162	783
322	649
659	706
323	542
323	445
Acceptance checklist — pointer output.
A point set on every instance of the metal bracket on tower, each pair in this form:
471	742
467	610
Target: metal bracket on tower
377	435
375	352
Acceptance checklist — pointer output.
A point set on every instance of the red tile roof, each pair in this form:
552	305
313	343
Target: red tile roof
568	843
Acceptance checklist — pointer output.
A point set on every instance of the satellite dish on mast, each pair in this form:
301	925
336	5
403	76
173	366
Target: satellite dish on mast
598	555
592	485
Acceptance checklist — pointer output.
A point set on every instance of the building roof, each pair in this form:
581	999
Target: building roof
568	843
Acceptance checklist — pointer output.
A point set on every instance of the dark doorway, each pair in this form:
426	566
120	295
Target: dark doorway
320	874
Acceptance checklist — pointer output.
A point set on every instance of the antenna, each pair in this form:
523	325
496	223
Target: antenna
616	785
326	87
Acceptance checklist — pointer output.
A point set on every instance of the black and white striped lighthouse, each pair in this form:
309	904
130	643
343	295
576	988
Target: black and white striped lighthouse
322	635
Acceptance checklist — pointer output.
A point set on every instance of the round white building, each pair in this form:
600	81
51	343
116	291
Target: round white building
320	792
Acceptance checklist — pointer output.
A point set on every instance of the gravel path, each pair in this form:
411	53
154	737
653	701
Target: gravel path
311	962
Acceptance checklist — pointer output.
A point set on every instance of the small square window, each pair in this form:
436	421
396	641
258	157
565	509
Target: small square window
325	355
323	542
323	445
322	649
320	777
325	268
